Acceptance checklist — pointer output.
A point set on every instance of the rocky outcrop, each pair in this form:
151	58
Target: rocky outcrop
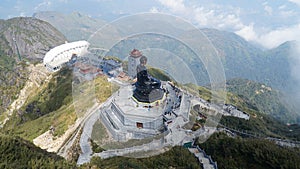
32	36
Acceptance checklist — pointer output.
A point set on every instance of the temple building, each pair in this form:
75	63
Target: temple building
137	111
125	118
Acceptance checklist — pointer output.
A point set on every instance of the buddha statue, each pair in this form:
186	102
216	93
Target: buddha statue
148	89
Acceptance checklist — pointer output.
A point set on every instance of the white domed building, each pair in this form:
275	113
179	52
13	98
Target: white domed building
63	54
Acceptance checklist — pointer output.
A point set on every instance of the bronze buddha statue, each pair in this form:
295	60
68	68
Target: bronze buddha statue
148	89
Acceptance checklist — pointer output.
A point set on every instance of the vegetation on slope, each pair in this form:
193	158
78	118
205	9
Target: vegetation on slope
177	157
50	107
58	120
263	99
158	74
263	126
259	123
12	79
250	153
103	88
57	93
17	153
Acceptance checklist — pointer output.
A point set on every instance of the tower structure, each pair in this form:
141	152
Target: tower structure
133	62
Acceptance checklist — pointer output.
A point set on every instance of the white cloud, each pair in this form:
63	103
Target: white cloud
215	17
281	7
287	13
10	16
18	6
174	5
276	37
223	18
272	38
268	9
64	1
22	14
295	1
248	33
43	5
154	10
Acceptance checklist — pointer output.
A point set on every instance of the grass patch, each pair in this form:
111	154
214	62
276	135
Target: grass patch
95	147
158	74
199	91
57	93
59	119
103	88
99	133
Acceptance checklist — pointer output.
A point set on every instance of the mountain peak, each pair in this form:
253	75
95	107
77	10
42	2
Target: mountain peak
32	37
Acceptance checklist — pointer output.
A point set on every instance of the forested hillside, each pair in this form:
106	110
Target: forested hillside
250	153
264	99
17	153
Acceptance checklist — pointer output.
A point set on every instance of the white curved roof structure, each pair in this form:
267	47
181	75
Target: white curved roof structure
63	53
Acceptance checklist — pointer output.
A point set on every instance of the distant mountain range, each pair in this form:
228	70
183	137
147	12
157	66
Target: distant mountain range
74	26
244	60
240	58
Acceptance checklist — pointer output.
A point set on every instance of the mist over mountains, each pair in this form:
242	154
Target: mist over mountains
74	26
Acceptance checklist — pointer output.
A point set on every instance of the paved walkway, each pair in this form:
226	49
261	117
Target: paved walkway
87	152
203	158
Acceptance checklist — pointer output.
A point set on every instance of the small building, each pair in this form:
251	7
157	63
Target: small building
87	71
123	77
233	111
110	64
133	62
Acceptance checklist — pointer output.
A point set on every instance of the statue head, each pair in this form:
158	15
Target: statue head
143	60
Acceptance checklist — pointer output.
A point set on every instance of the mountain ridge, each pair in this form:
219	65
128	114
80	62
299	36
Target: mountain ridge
32	38
74	26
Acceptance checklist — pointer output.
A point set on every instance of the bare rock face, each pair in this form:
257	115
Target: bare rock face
33	37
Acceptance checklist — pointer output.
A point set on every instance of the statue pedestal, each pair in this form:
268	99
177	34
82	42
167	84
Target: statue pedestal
146	96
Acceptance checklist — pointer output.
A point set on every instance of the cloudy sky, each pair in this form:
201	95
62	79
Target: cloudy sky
265	22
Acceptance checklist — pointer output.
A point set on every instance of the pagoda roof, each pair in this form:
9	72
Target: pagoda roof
135	53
